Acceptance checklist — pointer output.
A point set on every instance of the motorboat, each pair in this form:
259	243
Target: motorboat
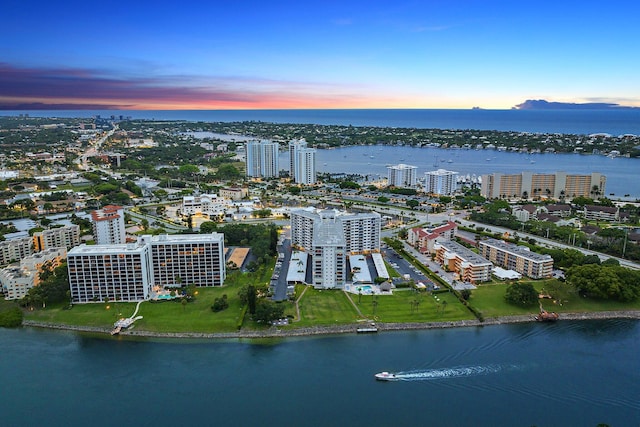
385	376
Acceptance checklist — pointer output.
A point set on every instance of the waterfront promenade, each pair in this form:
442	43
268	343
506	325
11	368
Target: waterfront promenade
275	332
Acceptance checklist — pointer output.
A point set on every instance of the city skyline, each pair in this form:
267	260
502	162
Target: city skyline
286	55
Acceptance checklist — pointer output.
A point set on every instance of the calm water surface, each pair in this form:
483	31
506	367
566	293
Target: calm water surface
565	374
623	174
581	122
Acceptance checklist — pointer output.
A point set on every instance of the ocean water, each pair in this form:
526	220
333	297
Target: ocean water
564	374
614	122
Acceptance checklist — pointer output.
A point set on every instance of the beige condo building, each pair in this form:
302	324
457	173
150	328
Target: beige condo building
529	185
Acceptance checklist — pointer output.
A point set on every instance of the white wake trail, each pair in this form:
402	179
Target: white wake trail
454	372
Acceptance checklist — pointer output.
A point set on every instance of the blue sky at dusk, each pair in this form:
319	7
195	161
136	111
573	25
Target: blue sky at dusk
317	54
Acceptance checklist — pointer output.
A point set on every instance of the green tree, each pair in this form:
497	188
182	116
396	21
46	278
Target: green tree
252	298
11	317
208	227
412	203
294	190
228	172
220	304
267	311
522	294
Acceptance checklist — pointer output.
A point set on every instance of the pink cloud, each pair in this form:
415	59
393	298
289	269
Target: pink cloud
68	86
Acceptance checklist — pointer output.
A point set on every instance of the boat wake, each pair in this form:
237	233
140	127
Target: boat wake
455	372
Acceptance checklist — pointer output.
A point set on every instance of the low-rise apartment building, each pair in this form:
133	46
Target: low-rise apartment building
16	281
517	258
62	237
13	250
424	239
601	213
469	266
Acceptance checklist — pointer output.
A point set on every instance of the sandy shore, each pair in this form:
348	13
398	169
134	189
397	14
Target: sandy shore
338	329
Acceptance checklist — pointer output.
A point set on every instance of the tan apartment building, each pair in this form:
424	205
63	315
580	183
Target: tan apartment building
529	185
469	266
517	258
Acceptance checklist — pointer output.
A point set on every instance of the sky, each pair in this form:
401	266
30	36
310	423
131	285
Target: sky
249	54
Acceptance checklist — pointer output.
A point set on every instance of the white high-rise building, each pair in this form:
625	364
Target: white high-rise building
306	169
196	259
329	252
121	272
128	272
401	175
294	146
262	159
441	181
108	225
329	236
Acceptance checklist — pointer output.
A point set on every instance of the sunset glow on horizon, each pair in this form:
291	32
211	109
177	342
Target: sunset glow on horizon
317	55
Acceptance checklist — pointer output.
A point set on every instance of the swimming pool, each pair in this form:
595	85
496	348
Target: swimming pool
366	289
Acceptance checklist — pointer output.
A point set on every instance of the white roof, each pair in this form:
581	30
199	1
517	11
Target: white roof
359	269
297	267
381	269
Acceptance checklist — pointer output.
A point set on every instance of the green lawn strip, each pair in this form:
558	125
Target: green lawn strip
489	299
325	307
195	316
392	271
97	315
407	306
167	316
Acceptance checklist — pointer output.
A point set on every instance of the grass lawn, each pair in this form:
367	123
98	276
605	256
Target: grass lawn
489	300
402	307
392	271
325	307
167	316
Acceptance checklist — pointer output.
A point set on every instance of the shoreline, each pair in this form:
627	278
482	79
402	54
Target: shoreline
333	330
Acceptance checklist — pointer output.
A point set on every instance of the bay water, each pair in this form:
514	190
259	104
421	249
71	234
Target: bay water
572	373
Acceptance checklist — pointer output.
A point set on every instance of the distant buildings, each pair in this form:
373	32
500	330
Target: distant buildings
530	185
234	193
601	213
62	237
441	182
262	159
16	281
329	236
128	272
517	258
204	204
401	175
108	225
302	162
15	249
306	166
